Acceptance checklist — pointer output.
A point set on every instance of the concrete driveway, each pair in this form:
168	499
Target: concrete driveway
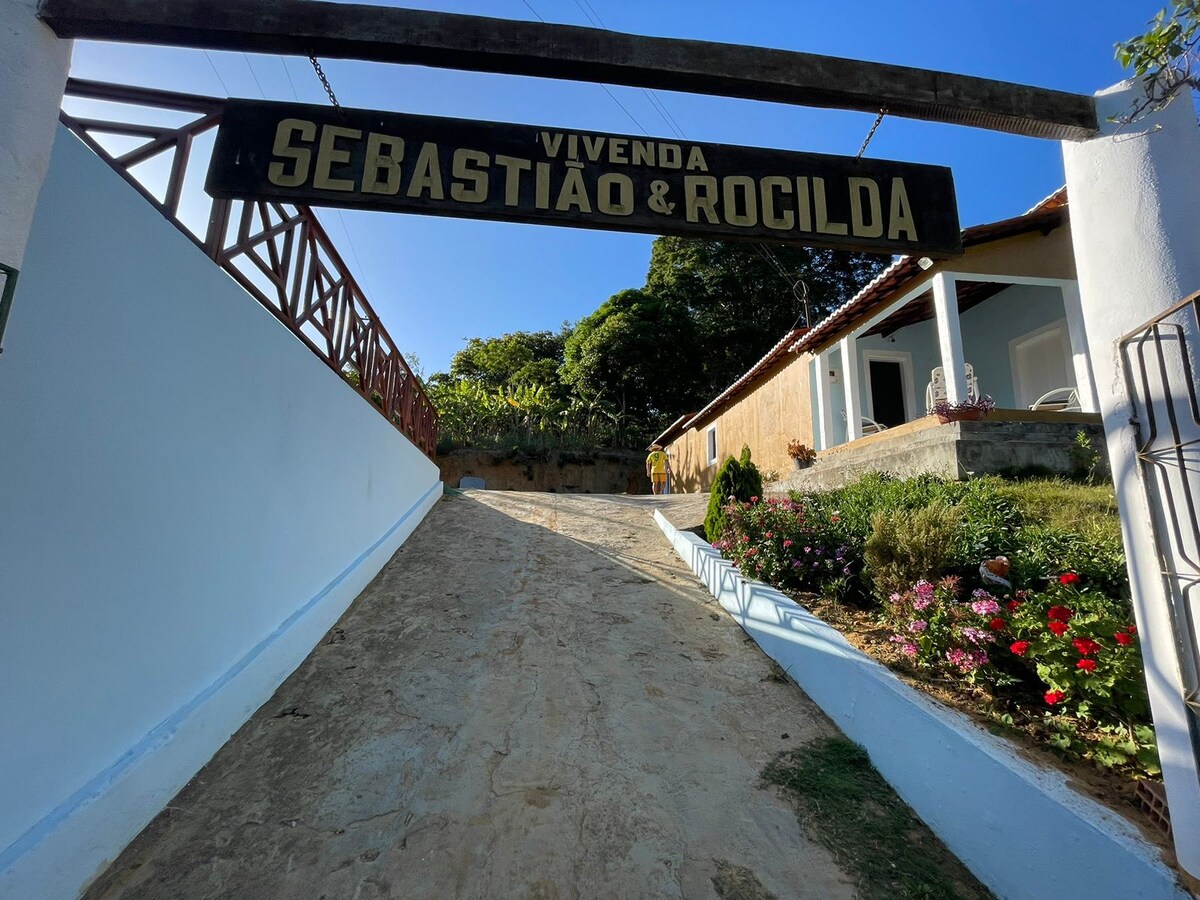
533	699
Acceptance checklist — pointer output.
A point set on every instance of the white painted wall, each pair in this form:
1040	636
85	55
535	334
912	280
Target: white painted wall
33	72
191	499
1135	202
1018	826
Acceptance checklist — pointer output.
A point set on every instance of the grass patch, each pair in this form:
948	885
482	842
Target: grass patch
848	807
1066	505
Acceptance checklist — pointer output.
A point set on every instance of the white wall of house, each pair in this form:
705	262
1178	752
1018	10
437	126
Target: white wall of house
987	330
191	499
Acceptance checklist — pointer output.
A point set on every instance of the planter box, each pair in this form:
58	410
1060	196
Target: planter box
1020	828
962	415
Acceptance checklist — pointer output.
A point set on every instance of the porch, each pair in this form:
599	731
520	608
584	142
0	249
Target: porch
956	336
1007	441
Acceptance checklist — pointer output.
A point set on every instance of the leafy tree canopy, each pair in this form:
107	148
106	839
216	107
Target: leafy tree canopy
520	358
1167	55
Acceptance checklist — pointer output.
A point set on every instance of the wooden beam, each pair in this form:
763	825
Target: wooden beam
475	43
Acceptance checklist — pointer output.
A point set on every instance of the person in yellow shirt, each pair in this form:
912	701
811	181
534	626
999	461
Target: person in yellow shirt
658	467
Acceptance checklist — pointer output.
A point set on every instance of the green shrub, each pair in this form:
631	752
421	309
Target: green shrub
908	546
737	478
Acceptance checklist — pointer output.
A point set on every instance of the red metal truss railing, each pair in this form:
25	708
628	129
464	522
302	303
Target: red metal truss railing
278	252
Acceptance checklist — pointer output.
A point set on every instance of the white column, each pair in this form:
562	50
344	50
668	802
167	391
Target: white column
33	72
945	304
1135	202
849	348
824	423
1081	357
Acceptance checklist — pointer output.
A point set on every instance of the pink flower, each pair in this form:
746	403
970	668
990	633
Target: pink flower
978	636
918	626
987	607
920	603
787	543
909	649
924	590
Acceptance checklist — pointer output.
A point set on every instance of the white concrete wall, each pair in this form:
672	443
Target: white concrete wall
33	72
191	499
1019	827
1135	202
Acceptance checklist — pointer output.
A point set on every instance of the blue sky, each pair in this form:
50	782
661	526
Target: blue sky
437	281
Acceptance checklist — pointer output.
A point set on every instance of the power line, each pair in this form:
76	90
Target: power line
224	87
253	75
613	96
287	72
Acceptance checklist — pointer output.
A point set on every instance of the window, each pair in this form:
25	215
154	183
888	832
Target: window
710	440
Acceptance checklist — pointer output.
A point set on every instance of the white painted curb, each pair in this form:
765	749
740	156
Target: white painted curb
1019	828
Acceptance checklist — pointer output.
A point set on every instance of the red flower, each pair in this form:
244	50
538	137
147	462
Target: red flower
1085	646
1123	639
1011	605
1087	665
1068	578
1053	697
787	543
755	500
1019	647
1061	613
1059	628
997	624
769	535
1132	629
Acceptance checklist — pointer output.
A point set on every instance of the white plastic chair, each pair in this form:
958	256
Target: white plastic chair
869	425
935	391
1063	399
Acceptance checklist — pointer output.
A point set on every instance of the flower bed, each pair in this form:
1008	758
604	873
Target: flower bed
1047	649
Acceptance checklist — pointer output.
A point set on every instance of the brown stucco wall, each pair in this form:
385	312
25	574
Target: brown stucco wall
563	472
765	418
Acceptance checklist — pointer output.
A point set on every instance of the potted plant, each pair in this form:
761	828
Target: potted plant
964	411
803	454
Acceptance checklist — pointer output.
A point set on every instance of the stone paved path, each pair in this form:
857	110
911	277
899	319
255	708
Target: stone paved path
534	699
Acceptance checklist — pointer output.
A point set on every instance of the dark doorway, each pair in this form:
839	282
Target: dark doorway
887	392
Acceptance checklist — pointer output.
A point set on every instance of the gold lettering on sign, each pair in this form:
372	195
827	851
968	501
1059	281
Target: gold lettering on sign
618	148
381	170
277	172
573	191
858	224
900	217
541	186
824	226
748	201
771	216
623	205
328	154
670	156
427	174
643	153
593	147
696	161
477	177
513	167
550	145
803	205
700	195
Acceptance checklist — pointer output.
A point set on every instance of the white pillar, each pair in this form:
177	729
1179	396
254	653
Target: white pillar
850	389
945	305
1081	357
824	423
33	73
1135	202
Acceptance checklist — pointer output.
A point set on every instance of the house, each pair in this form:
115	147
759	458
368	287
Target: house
1002	320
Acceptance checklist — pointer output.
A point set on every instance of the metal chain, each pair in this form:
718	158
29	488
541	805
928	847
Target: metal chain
325	82
871	133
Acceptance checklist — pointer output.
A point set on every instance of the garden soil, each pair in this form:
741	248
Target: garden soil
534	699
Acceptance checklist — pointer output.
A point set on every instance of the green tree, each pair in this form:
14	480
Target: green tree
520	358
1166	56
742	299
738	480
638	352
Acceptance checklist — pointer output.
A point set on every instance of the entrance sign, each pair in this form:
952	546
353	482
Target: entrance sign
316	155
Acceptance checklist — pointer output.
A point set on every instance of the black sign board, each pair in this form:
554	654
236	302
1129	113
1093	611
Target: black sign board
318	156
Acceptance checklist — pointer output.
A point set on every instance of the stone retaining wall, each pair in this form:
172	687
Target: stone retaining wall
556	471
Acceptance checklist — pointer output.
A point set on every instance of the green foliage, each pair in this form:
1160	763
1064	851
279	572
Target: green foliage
737	480
856	815
738	300
519	359
1165	55
907	546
